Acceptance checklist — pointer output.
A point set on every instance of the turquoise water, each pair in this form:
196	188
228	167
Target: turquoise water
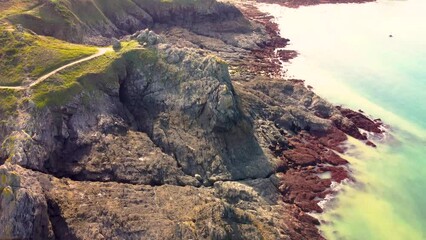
348	56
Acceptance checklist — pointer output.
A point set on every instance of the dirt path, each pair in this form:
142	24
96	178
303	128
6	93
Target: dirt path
101	51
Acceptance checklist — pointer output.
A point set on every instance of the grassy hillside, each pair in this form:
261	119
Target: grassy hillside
78	20
103	72
10	7
8	103
73	20
27	56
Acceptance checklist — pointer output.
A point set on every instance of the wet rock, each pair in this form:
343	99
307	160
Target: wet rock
303	188
361	121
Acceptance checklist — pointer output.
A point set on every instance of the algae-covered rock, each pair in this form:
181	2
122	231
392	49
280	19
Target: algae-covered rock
9	179
6	196
3	179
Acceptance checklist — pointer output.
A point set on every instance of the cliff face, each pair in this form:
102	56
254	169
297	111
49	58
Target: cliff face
166	140
171	139
96	21
182	135
183	102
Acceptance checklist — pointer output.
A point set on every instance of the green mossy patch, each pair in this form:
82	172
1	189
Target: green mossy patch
7	195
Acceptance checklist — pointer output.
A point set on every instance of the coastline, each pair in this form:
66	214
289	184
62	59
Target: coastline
259	155
300	183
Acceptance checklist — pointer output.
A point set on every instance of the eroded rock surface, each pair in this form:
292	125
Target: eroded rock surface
67	209
23	205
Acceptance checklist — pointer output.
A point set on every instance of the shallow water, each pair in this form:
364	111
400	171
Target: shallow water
348	56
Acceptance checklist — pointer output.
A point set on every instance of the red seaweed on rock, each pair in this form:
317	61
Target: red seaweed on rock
311	163
267	58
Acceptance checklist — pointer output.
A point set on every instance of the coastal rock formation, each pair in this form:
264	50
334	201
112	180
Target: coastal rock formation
96	21
187	110
188	133
362	121
23	206
66	209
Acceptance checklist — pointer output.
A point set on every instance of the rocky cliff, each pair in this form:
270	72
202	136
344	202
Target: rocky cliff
96	21
183	133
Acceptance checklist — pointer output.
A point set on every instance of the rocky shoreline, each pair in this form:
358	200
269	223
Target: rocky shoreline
311	154
194	135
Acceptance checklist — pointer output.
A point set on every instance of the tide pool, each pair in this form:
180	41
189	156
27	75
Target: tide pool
372	57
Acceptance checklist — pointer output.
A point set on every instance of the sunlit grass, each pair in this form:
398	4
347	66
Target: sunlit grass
25	56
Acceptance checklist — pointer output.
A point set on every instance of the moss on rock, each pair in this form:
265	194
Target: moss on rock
7	195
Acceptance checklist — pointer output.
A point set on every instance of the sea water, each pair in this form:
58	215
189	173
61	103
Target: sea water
372	57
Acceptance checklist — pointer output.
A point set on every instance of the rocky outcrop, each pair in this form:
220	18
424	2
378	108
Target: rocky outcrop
196	102
173	128
174	115
23	206
64	209
363	122
135	212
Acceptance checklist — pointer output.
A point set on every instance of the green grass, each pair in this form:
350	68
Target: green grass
10	7
70	20
26	56
8	103
101	73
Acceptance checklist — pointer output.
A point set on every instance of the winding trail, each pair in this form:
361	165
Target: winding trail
101	51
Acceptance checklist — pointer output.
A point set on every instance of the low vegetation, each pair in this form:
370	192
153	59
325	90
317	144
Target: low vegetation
8	103
101	73
75	20
25	56
10	7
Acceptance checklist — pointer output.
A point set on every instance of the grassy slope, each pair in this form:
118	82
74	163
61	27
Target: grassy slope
10	7
26	55
8	102
23	55
69	19
101	73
